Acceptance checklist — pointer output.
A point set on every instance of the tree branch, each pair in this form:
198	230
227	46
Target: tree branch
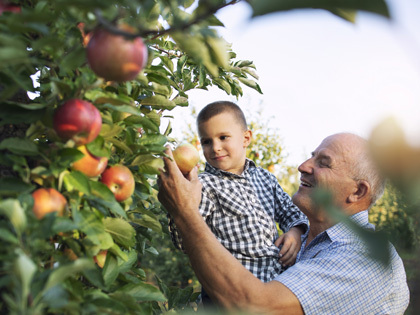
146	33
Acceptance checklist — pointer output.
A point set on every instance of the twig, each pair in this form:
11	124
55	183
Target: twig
146	33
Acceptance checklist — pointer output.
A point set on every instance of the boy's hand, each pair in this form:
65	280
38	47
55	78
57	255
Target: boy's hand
291	243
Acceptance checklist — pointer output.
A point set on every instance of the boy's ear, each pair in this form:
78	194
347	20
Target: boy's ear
247	137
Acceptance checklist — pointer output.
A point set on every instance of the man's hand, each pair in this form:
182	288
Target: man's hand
178	193
291	243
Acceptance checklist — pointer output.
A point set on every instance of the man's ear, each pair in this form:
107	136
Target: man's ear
247	137
362	191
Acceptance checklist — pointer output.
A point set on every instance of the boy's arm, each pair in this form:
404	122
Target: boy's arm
290	245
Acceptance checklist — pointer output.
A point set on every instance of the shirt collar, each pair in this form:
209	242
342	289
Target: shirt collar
249	168
337	231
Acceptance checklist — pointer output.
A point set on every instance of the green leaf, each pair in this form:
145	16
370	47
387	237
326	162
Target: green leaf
121	145
168	62
251	84
145	122
98	148
12	209
158	101
153	139
130	260
150	222
110	131
223	84
218	48
348	15
261	7
19	146
195	47
25	269
104	97
94	228
14	185
116	250
8	237
181	101
110	271
148	164
143	292
105	198
73	60
76	180
58	275
63	225
67	156
122	232
124	109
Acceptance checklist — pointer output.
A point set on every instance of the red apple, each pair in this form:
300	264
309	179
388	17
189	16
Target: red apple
114	57
119	180
78	120
90	165
186	157
5	6
100	258
47	200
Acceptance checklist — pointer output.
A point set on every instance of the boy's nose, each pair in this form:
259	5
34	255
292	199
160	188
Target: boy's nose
216	146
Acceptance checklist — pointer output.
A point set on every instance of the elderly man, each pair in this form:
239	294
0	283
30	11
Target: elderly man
333	274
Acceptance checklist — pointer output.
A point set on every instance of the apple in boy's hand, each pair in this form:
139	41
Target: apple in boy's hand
186	157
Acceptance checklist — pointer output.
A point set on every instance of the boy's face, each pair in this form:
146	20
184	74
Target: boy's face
224	142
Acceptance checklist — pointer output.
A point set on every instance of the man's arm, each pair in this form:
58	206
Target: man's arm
222	276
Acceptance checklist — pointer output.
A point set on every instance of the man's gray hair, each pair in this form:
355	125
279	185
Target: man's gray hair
364	168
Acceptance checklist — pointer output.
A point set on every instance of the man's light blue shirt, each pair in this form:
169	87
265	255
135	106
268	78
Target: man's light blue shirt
335	275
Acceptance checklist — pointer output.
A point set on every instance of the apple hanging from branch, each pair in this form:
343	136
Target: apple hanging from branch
100	258
47	200
78	120
90	165
114	57
119	180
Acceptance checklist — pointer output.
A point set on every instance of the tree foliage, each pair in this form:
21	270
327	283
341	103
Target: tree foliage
47	264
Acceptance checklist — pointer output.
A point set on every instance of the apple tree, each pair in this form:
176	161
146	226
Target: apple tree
84	90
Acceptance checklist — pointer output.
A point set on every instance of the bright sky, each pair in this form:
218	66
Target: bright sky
321	75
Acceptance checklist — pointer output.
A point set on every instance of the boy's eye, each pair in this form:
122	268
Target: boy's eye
205	142
223	137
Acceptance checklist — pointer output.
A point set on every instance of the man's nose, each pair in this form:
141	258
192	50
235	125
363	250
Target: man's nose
306	167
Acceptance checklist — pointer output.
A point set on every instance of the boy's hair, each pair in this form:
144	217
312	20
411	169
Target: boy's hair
219	107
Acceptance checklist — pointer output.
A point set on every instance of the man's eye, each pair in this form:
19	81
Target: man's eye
324	164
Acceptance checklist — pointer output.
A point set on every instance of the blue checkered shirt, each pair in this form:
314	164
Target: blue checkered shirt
334	275
241	210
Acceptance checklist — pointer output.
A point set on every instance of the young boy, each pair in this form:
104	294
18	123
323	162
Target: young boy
241	202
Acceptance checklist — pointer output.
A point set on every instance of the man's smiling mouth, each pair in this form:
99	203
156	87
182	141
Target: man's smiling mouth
305	183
